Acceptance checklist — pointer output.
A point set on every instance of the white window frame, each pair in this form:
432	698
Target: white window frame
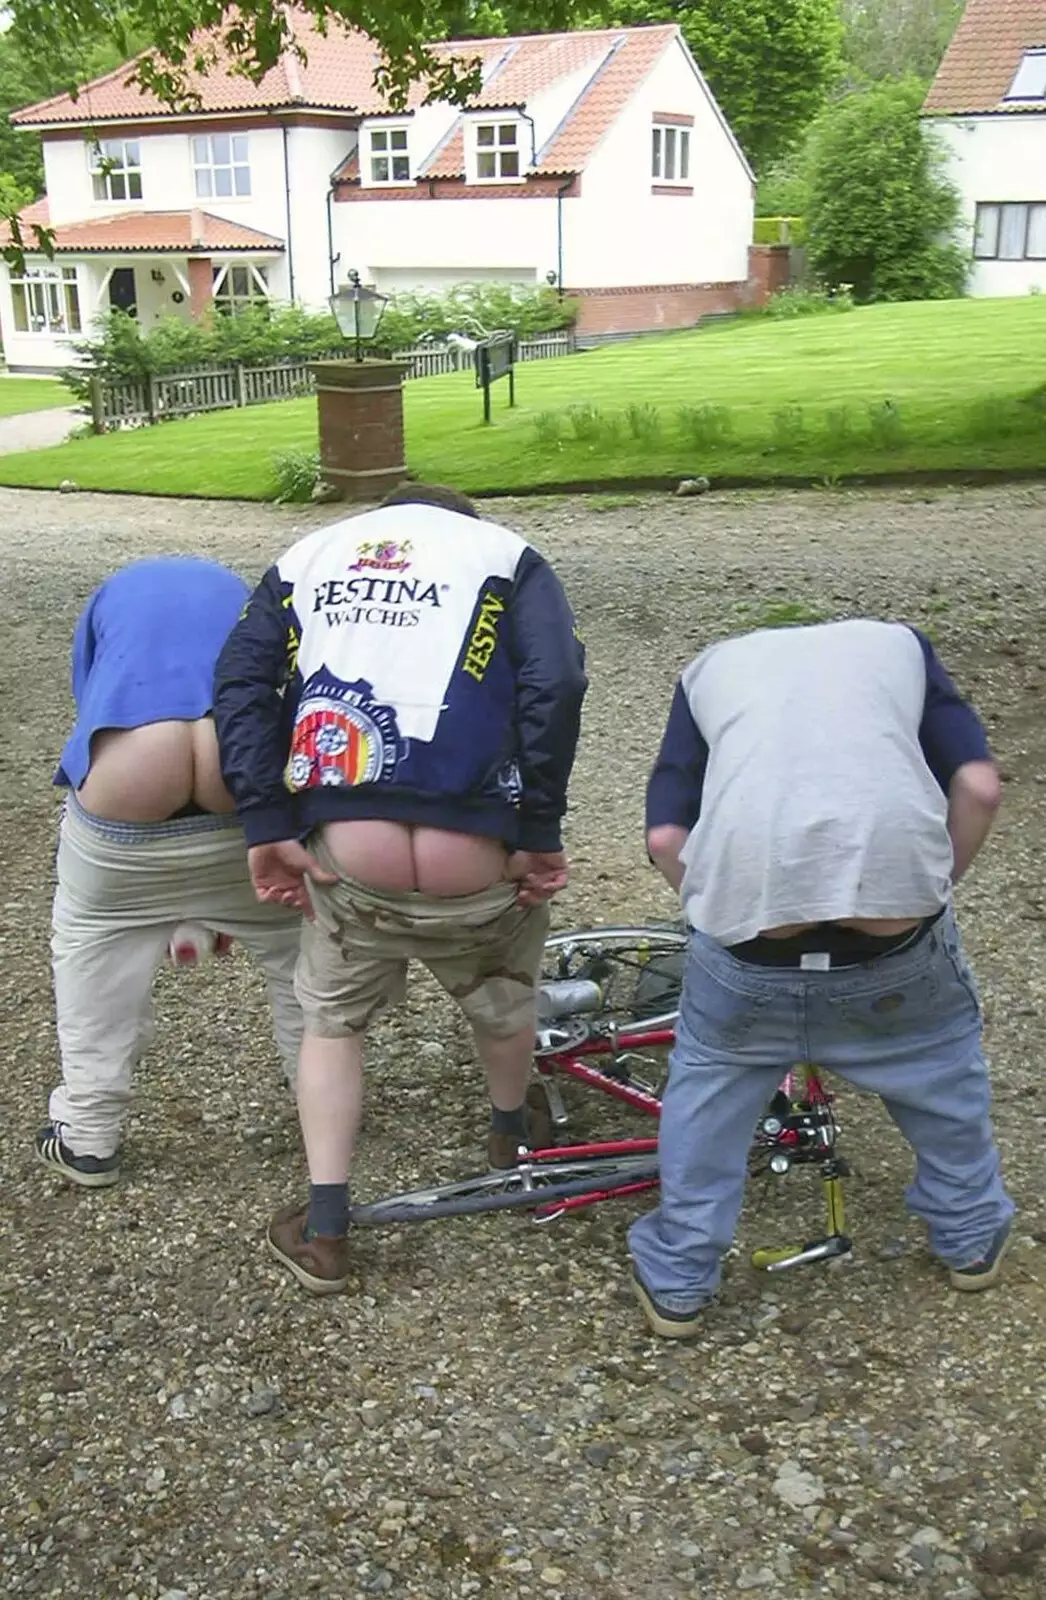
995	219
491	151
224	293
116	164
1029	81
207	163
388	147
47	300
670	154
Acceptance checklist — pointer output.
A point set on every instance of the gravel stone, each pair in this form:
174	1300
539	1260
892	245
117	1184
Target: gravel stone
428	1434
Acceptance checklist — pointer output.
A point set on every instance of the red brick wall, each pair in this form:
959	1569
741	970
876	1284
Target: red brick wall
643	310
768	270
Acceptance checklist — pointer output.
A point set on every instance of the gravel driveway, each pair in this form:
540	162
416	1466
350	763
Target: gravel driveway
35	430
484	1413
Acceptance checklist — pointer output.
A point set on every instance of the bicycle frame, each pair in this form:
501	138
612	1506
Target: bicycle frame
806	1134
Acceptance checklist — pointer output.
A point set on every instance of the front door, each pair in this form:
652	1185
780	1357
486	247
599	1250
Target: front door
123	295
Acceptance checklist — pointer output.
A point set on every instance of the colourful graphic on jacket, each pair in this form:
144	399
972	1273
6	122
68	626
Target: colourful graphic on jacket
385	555
341	737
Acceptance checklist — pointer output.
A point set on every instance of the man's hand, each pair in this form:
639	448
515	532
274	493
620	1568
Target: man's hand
539	873
279	870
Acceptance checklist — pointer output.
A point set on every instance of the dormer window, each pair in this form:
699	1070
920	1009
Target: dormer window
389	158
1030	80
497	151
116	169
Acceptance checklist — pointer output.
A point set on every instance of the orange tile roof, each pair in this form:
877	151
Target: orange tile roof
604	97
983	56
337	75
339	70
39	212
620	59
154	232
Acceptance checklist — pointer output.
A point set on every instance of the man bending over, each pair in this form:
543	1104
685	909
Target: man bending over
818	792
148	840
404	691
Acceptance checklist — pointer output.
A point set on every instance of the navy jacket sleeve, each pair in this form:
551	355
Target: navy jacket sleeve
673	794
548	659
950	733
253	668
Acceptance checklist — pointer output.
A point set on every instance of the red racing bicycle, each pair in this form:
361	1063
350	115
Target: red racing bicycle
607	1010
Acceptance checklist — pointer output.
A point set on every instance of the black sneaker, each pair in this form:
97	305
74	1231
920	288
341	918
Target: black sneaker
91	1172
982	1273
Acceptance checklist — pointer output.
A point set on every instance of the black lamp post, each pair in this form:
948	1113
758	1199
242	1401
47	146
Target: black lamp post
357	311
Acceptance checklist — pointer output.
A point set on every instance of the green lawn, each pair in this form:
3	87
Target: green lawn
958	385
31	394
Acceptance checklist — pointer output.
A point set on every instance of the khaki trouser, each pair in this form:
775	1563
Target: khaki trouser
122	890
483	949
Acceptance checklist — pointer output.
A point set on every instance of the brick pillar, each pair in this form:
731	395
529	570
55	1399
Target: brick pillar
769	269
201	278
361	426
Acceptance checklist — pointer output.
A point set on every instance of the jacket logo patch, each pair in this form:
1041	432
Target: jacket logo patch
384	556
484	637
341	738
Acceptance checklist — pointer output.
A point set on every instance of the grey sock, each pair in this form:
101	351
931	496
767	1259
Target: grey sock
509	1121
328	1210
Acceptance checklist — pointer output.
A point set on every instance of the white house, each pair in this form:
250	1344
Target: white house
988	107
596	161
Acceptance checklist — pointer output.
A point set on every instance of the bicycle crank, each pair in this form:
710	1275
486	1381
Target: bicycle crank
781	1260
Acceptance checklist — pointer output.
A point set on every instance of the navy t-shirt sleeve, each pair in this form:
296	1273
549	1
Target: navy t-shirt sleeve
673	795
950	733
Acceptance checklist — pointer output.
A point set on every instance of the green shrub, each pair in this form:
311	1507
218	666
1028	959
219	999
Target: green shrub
839	427
706	425
611	427
788	427
259	334
799	301
587	422
879	207
474	309
643	421
297	473
885	425
548	425
779	230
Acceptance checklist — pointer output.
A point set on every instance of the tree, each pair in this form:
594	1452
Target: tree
892	38
879	214
25	78
770	63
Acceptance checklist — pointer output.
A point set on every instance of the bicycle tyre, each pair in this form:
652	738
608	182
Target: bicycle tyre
475	1196
630	958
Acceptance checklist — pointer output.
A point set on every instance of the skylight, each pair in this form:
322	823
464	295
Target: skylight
1030	80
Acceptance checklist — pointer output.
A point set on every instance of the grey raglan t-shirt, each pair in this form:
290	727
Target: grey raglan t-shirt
817	802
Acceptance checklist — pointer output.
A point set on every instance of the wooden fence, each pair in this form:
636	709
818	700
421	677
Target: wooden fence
158	398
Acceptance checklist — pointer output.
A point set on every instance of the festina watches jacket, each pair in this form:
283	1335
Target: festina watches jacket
412	664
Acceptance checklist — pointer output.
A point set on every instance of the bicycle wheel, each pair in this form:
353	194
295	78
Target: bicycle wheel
620	976
528	1186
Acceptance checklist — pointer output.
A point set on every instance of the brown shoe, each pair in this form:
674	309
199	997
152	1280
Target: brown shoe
320	1264
503	1148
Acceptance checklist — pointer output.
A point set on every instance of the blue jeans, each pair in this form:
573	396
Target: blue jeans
906	1027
